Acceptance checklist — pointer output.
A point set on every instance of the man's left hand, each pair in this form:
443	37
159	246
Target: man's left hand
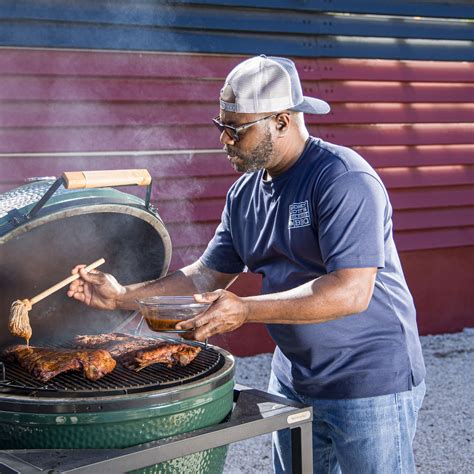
226	313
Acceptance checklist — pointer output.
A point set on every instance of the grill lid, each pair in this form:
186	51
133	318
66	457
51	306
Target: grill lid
74	226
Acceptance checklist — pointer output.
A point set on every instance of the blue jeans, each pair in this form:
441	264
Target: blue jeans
359	435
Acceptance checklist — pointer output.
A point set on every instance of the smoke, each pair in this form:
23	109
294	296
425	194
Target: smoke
73	110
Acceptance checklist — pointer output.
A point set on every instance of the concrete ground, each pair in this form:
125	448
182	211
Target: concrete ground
444	438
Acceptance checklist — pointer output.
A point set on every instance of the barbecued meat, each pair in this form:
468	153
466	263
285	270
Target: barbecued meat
116	343
165	353
139	352
44	363
96	363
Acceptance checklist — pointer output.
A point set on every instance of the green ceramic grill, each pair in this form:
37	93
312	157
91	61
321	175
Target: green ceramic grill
46	228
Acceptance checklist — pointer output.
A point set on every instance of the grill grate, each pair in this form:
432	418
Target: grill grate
119	382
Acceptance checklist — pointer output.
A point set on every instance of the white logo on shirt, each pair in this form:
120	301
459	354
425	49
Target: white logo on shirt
299	215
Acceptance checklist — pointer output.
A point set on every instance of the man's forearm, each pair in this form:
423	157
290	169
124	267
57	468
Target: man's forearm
332	296
174	284
195	278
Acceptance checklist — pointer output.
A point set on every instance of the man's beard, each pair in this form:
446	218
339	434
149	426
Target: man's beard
254	160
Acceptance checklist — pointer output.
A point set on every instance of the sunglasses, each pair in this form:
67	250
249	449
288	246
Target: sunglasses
233	132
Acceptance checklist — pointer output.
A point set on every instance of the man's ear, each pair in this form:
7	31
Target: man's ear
283	122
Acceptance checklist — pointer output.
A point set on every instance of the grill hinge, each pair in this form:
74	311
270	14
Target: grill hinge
16	217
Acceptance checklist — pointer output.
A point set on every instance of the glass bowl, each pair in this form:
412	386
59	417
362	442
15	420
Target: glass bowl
162	313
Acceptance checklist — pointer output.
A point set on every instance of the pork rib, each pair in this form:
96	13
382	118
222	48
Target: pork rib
137	353
164	353
116	343
44	363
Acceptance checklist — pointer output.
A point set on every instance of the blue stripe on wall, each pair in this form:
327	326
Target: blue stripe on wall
50	34
443	9
192	27
240	19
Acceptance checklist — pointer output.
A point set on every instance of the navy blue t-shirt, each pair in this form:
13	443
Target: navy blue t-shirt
329	211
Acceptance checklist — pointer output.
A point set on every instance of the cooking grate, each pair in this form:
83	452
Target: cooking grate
119	382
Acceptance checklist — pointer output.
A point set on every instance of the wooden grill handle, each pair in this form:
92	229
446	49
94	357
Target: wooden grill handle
105	178
64	282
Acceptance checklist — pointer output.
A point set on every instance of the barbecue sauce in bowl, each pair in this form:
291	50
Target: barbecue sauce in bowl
161	325
163	313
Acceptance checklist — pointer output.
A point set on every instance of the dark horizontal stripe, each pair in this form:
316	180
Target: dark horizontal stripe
445	9
14	33
237	19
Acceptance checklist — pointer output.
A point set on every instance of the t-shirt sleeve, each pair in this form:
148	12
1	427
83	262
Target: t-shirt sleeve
351	215
220	254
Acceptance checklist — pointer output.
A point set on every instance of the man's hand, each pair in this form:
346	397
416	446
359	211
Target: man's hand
227	313
96	289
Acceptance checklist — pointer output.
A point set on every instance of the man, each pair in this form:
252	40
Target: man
314	220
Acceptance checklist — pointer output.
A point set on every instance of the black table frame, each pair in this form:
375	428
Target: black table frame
255	413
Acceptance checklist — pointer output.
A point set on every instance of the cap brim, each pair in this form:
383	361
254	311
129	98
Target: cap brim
310	105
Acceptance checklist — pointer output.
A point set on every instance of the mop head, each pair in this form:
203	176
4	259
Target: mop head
19	323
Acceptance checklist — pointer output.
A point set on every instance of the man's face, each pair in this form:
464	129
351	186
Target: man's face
253	151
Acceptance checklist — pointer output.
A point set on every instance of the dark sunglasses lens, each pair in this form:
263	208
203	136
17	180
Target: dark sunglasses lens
234	135
218	125
223	128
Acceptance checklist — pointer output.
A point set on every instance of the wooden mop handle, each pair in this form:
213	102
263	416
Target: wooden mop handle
65	282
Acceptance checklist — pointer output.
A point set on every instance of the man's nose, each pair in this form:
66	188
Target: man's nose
226	139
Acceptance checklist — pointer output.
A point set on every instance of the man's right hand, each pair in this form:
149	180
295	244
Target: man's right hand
96	289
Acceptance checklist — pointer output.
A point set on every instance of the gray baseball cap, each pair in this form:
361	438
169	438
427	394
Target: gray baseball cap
268	84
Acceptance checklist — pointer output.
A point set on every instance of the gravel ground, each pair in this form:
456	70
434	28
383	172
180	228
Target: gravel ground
444	438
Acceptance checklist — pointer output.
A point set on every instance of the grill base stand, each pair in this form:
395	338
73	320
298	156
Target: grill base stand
255	413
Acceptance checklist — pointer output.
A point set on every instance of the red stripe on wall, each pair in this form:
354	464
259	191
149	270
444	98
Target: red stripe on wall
172	165
92	88
412	120
79	114
108	63
422	197
419	155
69	139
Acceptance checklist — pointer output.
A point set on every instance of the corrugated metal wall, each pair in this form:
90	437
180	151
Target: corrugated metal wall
413	119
